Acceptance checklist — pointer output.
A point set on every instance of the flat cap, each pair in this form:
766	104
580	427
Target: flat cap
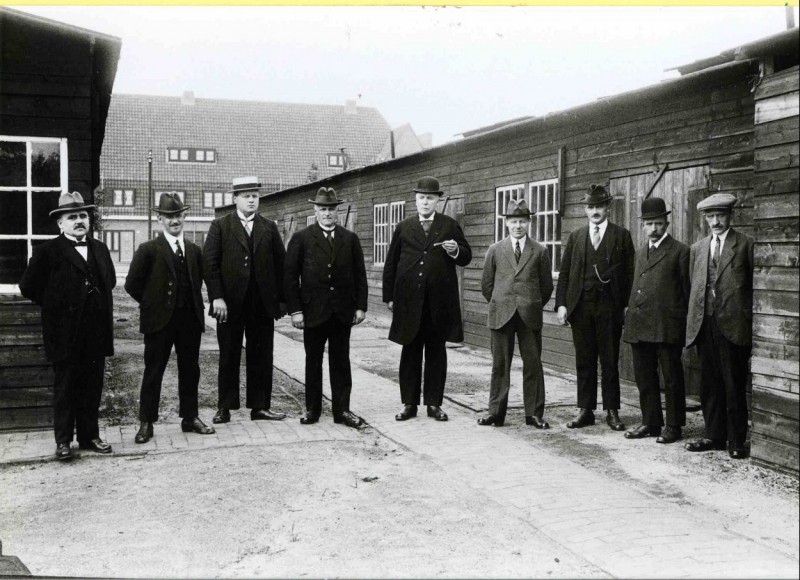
717	202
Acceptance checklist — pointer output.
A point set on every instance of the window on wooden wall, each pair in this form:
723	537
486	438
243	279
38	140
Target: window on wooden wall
385	217
33	173
123	198
502	196
544	200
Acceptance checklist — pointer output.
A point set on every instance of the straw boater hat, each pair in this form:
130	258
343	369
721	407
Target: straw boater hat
326	196
653	207
597	195
170	203
718	202
428	185
517	208
241	184
70	202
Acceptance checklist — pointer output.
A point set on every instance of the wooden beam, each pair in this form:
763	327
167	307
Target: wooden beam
562	175
658	178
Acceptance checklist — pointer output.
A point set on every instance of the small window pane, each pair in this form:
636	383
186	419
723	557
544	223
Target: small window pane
128	197
217	199
184	155
209	156
228	198
12	164
117	197
200	155
173	154
13	260
208	199
13	212
45	164
43	203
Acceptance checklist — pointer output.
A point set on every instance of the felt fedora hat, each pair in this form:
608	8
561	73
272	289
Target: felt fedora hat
597	195
70	202
718	202
428	185
653	207
517	208
249	183
326	196
170	203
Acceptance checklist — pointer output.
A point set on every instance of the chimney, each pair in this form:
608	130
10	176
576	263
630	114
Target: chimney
187	98
350	107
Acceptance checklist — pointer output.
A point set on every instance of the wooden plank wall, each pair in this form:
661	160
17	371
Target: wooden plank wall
775	360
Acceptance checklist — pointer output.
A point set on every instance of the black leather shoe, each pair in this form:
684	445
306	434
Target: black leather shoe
96	445
222	416
612	419
349	419
309	418
704	444
145	432
197	426
643	431
671	434
737	452
491	420
63	451
266	415
537	422
407	412
436	412
583	419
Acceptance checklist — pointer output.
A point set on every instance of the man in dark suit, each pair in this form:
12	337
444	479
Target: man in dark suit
244	257
655	325
71	277
720	324
326	292
165	278
594	283
420	286
517	282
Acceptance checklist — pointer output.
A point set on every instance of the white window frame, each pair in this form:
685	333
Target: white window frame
335	160
124	197
502	196
29	190
548	217
385	217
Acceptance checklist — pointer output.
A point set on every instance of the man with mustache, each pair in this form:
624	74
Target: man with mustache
720	324
71	277
655	325
165	278
594	283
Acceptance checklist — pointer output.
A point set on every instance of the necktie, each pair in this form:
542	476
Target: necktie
715	253
426	225
328	236
248	227
517	251
650	249
596	237
81	243
178	250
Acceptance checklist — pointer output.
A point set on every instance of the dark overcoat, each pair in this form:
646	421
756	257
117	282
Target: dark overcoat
415	271
620	267
733	302
56	280
660	295
227	266
323	281
153	282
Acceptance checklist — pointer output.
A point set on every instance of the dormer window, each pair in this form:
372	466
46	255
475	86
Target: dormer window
191	155
335	159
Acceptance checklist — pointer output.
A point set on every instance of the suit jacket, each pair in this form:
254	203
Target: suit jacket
227	263
620	267
322	281
153	282
416	271
733	304
510	287
660	296
56	280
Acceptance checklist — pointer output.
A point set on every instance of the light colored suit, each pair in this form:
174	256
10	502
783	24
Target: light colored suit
516	293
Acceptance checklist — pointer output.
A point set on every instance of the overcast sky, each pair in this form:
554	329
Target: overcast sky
444	70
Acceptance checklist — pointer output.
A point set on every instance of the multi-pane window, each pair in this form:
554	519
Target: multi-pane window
191	155
502	196
385	217
33	173
123	197
336	160
216	199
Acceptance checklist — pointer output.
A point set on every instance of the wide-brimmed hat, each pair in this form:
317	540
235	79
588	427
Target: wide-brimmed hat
517	208
249	183
70	202
326	196
597	195
718	202
428	185
653	207
170	203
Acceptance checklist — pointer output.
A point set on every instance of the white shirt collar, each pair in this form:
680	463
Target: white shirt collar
428	219
521	241
74	239
721	240
172	239
245	219
658	243
82	250
603	226
327	230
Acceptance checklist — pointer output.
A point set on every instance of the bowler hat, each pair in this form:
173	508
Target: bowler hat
597	195
718	202
170	203
517	208
326	196
70	202
428	185
653	207
249	183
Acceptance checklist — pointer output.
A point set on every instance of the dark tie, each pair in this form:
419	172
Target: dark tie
715	253
517	251
426	225
650	249
329	237
178	250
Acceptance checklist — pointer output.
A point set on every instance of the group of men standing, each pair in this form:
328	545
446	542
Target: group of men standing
659	299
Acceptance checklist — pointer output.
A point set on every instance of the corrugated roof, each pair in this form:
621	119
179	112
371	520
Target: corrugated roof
278	142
